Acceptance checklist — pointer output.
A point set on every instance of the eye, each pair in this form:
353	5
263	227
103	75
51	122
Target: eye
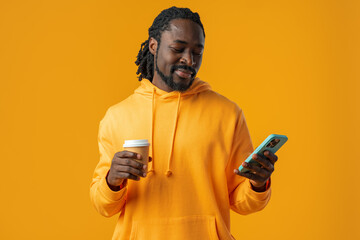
197	53
177	50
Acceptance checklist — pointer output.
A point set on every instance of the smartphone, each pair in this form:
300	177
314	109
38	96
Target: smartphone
272	143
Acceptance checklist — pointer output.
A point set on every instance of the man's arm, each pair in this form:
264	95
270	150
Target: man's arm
106	201
243	197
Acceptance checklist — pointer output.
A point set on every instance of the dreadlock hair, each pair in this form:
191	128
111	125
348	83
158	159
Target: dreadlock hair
145	59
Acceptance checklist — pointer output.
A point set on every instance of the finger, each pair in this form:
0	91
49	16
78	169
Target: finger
266	163
128	162
126	175
131	162
256	169
128	154
251	176
273	158
129	169
150	159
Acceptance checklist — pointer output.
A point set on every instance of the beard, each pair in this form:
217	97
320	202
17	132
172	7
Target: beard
169	80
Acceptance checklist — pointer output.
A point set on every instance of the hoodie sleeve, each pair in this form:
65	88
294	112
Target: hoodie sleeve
242	198
106	201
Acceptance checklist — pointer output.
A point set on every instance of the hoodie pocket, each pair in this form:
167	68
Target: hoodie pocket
189	227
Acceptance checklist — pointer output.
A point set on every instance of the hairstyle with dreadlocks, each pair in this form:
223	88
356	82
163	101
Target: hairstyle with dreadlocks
145	59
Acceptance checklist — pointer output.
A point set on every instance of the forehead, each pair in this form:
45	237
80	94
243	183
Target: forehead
184	30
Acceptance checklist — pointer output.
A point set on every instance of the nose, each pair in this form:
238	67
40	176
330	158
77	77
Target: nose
188	59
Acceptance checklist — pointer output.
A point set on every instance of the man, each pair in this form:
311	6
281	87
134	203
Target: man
198	140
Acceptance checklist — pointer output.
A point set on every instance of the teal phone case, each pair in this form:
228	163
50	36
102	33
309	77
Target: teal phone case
272	143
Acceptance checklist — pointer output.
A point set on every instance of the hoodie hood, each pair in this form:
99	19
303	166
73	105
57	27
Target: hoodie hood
155	94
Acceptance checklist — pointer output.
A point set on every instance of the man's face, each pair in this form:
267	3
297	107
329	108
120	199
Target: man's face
179	55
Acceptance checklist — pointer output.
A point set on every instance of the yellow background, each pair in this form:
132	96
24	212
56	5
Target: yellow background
293	66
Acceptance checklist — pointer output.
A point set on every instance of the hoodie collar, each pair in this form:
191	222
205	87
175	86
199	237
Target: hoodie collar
146	89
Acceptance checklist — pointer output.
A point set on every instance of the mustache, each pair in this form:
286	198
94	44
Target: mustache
187	68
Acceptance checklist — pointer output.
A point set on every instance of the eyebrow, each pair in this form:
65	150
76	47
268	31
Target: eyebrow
184	42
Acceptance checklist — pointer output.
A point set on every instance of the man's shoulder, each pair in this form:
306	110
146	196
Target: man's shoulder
121	106
125	103
219	100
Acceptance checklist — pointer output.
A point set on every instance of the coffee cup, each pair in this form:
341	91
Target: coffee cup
141	147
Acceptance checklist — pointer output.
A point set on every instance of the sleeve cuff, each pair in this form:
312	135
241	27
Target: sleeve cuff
260	196
110	194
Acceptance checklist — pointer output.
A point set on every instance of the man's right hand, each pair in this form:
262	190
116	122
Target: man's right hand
124	166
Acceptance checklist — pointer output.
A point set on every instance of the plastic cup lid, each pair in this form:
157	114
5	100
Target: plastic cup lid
136	143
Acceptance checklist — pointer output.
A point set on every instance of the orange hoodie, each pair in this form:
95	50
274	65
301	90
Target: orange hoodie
198	138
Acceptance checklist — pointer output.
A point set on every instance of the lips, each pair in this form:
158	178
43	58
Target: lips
183	73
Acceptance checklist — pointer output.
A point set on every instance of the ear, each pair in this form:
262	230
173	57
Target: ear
153	45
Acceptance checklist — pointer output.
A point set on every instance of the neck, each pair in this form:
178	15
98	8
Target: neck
158	82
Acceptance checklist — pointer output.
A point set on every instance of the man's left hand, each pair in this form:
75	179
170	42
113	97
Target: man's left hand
259	175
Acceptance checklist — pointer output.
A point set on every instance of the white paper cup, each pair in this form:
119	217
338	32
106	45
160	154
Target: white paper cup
139	146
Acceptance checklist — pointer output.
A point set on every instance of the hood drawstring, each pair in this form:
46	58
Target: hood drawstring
168	171
152	130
